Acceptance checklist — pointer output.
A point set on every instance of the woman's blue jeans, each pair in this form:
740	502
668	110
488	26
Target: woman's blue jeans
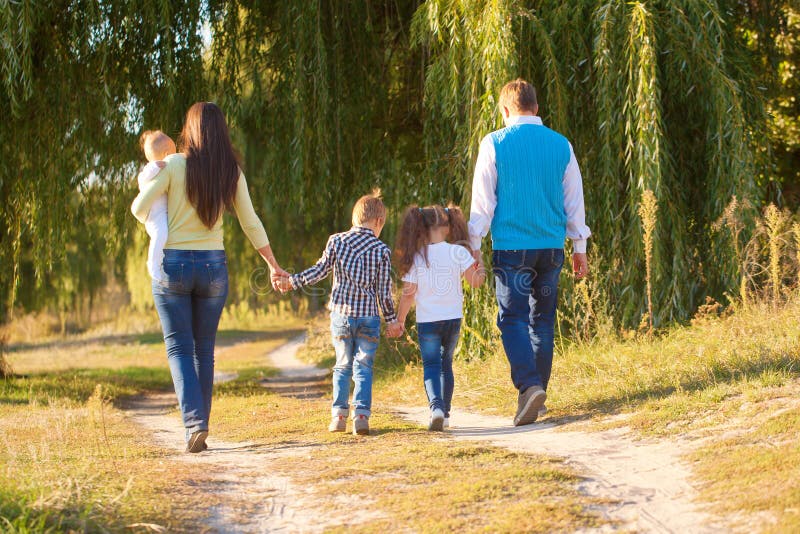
437	342
527	295
189	300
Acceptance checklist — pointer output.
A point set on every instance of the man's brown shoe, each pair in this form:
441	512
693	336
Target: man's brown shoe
528	405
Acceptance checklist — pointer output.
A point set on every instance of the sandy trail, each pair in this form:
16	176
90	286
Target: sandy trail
647	480
251	498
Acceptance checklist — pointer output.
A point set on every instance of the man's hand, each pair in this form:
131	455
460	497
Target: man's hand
580	265
161	164
394	329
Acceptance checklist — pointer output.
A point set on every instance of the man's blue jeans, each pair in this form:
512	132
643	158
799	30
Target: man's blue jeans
437	342
527	294
189	300
355	340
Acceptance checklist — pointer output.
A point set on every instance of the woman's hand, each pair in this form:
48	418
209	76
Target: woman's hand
276	273
279	278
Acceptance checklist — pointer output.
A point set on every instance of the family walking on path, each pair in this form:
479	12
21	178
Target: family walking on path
527	190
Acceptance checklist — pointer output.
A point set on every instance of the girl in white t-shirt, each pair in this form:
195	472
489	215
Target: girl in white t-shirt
433	255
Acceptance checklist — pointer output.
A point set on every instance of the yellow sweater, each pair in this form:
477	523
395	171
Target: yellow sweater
186	231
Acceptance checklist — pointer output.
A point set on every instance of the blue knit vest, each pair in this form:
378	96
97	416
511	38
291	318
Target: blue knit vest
531	161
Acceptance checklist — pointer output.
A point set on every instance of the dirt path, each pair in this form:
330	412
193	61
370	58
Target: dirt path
296	379
647	480
250	498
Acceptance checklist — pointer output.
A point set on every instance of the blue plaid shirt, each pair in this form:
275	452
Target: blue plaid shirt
362	274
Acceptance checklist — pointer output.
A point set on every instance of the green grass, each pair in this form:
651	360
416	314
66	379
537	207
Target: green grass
715	377
417	480
730	384
70	461
81	468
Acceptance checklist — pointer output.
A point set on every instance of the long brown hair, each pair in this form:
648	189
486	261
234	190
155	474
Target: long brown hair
212	168
416	225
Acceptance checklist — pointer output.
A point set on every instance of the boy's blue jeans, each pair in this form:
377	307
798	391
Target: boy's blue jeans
437	342
355	340
527	294
189	300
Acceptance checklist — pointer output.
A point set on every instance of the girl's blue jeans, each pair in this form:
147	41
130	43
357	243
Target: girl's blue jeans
189	300
437	342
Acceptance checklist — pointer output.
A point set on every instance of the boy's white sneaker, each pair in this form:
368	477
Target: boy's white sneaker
338	423
437	420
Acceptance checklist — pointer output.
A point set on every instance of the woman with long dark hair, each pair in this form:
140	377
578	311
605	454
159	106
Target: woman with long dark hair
201	183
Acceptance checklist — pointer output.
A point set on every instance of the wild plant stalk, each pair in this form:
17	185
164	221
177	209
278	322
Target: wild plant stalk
774	220
587	296
732	220
5	368
648	212
796	233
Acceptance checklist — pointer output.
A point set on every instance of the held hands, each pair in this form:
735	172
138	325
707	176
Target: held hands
394	330
280	279
283	284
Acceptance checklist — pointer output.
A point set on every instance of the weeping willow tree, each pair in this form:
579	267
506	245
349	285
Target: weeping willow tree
654	96
325	102
79	79
328	99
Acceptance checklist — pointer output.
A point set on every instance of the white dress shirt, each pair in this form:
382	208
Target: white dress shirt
484	193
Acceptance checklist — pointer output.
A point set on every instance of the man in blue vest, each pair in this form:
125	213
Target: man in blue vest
528	190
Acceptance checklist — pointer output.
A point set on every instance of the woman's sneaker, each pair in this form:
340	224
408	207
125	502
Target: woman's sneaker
338	423
437	420
361	425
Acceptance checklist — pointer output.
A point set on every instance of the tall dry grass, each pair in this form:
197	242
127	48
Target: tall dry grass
5	367
648	213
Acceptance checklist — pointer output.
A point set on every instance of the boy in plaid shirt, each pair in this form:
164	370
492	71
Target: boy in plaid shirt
361	265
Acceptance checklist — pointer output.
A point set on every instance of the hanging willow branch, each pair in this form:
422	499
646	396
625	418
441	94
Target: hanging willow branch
327	99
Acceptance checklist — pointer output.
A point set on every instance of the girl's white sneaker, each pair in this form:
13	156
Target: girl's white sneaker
446	423
437	420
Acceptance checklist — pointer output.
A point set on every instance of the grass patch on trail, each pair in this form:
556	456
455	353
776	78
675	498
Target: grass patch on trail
76	467
757	471
70	461
422	481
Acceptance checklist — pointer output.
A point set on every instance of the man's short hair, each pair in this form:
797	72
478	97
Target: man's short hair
518	95
368	208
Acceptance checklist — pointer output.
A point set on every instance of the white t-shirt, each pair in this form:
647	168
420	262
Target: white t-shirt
439	293
156	225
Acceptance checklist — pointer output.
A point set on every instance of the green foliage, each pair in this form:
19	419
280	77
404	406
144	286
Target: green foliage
328	99
79	79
